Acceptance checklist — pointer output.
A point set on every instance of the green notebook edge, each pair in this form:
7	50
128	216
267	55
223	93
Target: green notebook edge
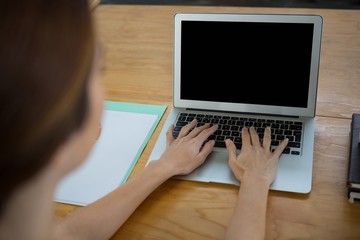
158	110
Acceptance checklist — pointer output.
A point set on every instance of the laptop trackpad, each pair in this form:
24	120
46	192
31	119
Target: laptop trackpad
216	169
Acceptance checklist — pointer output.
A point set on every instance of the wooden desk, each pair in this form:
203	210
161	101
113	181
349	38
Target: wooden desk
139	69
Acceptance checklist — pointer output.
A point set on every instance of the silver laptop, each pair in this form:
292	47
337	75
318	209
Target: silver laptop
241	70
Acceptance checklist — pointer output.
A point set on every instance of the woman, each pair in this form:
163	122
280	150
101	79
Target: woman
51	104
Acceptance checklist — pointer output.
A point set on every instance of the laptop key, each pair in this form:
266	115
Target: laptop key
220	144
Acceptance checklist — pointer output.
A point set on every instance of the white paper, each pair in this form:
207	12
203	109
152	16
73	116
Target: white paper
123	134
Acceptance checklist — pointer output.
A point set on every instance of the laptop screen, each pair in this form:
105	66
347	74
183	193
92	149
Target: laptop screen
246	62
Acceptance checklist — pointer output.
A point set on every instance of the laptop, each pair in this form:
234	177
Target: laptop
241	70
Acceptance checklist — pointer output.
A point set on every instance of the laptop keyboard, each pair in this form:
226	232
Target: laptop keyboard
230	127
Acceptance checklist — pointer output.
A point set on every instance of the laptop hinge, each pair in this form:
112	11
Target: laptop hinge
242	113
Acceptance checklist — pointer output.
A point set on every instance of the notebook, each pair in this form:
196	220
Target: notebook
240	70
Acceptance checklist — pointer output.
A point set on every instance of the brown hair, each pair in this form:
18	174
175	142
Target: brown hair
46	52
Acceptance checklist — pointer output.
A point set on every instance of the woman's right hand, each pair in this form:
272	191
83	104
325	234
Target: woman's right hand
189	150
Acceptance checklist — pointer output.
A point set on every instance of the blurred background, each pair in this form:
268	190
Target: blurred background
331	4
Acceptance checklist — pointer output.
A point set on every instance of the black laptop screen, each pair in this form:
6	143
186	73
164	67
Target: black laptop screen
246	62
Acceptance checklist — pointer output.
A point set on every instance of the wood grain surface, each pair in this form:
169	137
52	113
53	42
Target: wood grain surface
139	43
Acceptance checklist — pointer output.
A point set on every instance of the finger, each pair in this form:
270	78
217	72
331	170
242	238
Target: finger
198	130
187	128
254	137
280	148
245	137
207	149
206	132
169	134
267	138
231	148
